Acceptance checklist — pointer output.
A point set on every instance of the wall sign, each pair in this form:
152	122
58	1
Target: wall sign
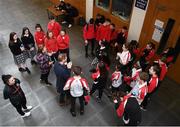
157	34
159	23
142	4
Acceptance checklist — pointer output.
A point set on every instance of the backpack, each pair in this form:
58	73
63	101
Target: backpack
82	21
85	92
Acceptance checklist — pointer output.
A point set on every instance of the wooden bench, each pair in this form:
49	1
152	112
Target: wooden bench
52	11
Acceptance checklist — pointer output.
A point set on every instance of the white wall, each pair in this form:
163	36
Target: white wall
136	23
89	9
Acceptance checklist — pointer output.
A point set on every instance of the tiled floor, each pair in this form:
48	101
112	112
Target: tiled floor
15	14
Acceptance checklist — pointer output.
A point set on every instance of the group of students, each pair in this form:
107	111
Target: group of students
133	81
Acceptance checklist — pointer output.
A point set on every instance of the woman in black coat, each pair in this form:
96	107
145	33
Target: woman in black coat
14	93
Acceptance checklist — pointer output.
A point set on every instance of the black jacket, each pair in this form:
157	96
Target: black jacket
28	42
15	47
62	74
14	93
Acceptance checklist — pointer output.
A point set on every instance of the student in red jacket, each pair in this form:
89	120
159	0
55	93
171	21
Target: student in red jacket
121	36
169	54
147	54
103	32
39	35
51	46
152	85
128	108
113	35
63	43
89	34
162	64
54	26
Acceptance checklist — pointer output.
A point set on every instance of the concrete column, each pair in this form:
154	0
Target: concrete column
89	9
136	23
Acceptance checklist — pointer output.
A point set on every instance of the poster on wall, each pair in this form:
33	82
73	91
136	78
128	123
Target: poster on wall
157	34
141	4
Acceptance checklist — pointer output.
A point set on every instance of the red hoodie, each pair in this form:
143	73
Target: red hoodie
163	71
55	28
152	84
113	35
150	55
39	37
90	33
103	32
51	45
63	42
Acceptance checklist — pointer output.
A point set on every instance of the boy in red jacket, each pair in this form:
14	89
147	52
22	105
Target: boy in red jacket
63	43
89	34
152	85
54	26
147	54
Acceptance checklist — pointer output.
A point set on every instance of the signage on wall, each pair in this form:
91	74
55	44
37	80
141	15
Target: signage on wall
142	4
157	34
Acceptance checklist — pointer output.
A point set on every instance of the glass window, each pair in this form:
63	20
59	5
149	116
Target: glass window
104	4
122	8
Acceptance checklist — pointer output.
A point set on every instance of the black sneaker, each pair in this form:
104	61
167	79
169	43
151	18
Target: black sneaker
143	108
28	71
73	113
92	54
22	69
48	84
82	112
86	55
33	62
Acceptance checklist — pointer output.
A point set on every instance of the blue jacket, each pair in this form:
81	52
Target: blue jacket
62	74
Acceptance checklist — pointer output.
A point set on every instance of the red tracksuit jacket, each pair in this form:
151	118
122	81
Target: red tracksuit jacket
39	38
113	35
152	84
51	45
103	32
150	55
63	42
55	28
163	71
90	33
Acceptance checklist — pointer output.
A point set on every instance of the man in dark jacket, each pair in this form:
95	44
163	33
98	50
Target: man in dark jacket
70	13
129	109
62	74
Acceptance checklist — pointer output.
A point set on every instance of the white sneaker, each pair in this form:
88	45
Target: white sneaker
125	121
70	25
26	114
64	22
28	108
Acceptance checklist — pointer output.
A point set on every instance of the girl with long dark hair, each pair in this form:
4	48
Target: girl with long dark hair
100	80
29	44
89	34
17	49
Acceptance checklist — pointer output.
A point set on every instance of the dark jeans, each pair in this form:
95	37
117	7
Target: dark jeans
21	105
92	41
63	95
95	87
44	77
69	19
73	103
66	51
54	57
